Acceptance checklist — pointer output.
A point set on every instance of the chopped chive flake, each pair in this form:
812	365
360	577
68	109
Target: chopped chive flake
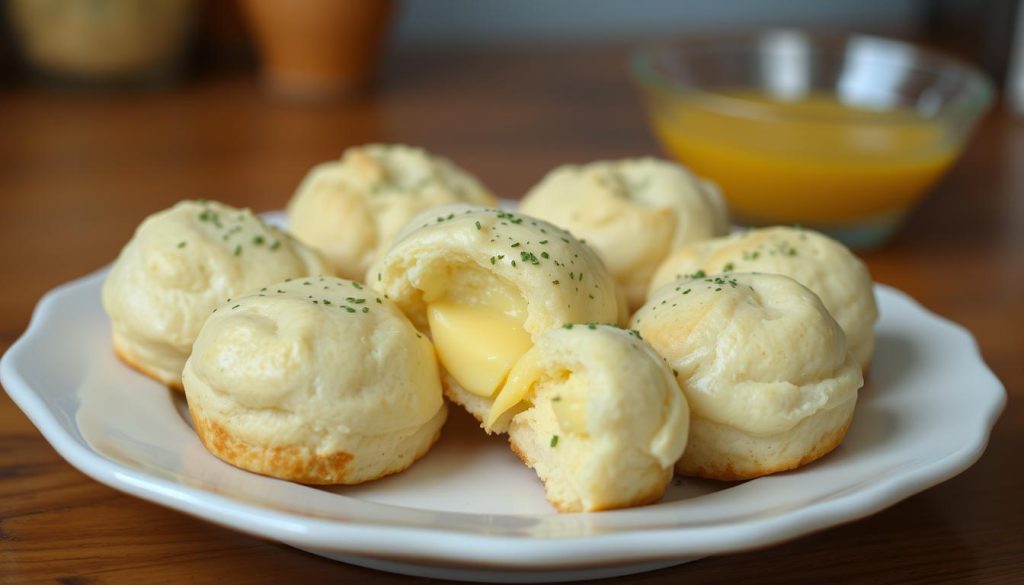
366	309
555	282
478	226
357	286
236	306
515	245
258	241
275	245
542	242
554	440
238	250
182	244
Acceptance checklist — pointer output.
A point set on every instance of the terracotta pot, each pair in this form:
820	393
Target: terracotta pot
318	48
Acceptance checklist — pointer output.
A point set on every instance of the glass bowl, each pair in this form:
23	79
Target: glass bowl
843	134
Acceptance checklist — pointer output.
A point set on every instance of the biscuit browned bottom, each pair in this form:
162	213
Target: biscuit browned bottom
121	355
293	463
728	472
644	499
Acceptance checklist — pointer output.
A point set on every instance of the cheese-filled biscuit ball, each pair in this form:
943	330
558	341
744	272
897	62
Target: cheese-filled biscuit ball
597	413
765	369
180	264
351	209
485	284
825	266
317	380
634	212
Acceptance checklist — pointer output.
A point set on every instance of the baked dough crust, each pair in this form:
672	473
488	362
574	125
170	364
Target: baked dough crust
634	212
316	380
351	209
825	266
179	265
770	383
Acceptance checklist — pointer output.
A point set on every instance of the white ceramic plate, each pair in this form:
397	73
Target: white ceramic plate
470	510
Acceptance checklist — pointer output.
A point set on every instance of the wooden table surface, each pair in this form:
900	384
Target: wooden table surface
77	173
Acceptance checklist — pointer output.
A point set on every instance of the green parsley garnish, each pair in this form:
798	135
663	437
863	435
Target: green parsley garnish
529	257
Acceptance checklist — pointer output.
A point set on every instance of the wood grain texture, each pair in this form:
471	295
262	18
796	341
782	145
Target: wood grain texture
78	172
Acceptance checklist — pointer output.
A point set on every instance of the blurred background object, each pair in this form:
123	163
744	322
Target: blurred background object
102	42
842	134
508	90
318	48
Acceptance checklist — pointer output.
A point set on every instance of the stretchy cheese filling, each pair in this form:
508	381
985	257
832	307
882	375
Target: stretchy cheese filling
477	328
568	389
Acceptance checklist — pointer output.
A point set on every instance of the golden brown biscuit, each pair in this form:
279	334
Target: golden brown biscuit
825	266
180	264
351	209
765	368
315	380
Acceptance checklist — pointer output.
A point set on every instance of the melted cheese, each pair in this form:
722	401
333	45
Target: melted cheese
479	337
566	393
520	382
569	405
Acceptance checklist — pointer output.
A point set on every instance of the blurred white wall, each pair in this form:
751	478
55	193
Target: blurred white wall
574	21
